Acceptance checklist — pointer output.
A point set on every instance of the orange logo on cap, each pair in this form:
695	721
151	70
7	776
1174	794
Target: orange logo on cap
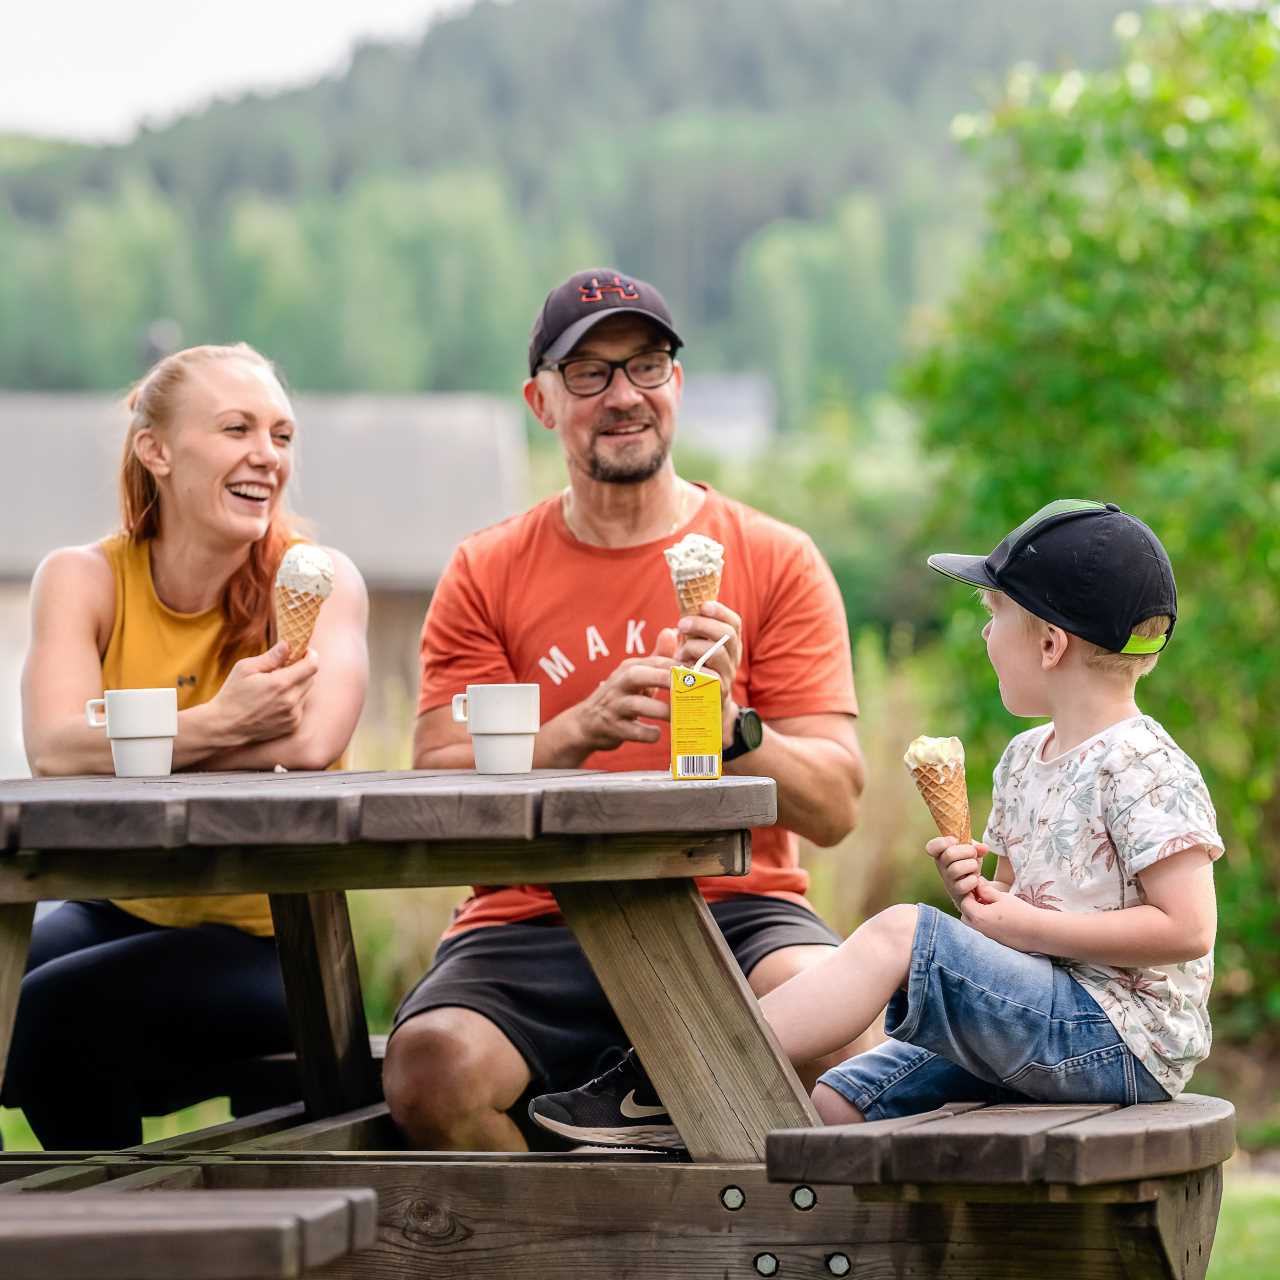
595	291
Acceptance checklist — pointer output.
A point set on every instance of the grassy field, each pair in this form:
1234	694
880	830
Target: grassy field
1247	1246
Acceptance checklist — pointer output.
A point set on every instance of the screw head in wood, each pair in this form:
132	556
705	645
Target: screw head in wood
838	1264
766	1264
733	1198
803	1197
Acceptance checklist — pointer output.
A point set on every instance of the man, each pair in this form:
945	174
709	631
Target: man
575	594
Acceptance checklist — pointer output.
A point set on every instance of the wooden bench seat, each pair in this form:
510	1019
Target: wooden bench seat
1032	1191
250	1084
181	1235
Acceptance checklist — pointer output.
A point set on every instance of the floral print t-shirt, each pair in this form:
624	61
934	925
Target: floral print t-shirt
1077	829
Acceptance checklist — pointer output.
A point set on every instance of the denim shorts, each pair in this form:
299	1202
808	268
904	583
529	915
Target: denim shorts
981	1022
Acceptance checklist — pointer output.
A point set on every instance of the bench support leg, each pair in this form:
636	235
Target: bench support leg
15	940
685	1005
326	1014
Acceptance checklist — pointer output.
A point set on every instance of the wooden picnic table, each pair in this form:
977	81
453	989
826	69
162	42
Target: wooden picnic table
1013	1192
619	850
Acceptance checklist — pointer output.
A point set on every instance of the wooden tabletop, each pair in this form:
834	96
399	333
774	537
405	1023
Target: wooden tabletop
619	850
330	808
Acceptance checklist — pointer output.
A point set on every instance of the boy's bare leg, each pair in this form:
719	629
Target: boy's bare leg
832	1108
837	999
782	965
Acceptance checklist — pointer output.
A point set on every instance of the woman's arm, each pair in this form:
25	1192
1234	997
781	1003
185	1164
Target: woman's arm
72	612
72	608
328	712
1177	922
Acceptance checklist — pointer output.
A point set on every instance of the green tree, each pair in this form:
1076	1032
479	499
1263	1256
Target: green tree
1120	338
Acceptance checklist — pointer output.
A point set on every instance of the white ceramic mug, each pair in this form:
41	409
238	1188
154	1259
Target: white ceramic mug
503	722
141	724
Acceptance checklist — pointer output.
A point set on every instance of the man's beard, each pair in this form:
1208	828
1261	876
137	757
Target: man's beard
631	471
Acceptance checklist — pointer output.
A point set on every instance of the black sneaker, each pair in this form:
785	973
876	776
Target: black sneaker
618	1109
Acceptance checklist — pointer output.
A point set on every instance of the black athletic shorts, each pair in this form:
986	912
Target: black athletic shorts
532	980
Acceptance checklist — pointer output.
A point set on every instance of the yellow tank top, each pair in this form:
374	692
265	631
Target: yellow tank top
152	646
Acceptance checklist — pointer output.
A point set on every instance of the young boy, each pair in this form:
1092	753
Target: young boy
1082	971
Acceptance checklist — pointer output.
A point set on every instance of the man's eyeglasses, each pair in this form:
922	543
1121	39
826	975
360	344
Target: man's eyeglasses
588	376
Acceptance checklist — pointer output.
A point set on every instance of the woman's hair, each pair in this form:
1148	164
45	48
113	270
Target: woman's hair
247	598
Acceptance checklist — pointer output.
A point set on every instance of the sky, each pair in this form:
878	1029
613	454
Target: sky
94	70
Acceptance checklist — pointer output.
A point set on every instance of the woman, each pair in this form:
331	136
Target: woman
120	999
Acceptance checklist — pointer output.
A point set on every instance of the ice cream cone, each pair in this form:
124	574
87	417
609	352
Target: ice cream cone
303	583
693	593
696	563
296	614
937	768
944	791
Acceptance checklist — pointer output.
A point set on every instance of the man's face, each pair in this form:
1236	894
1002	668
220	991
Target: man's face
623	434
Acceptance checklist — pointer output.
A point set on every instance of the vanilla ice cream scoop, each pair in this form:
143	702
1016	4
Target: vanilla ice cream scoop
937	768
943	752
306	569
303	583
695	556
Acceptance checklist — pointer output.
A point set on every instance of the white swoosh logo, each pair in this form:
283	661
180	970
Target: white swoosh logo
634	1110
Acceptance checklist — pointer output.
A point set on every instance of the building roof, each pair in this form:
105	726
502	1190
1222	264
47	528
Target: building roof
394	481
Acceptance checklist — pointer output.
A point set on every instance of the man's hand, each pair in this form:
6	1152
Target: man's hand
697	633
959	865
1001	916
612	714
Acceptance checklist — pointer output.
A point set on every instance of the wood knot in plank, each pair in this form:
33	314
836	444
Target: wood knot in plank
431	1222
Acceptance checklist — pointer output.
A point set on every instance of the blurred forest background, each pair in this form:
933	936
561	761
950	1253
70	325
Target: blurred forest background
986	255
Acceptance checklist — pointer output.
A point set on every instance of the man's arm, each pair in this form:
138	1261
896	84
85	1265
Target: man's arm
818	766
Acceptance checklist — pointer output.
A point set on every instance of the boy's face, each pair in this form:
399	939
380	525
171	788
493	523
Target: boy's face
1013	645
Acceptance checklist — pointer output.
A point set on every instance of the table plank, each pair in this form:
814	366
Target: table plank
223	1248
683	1001
1143	1141
334	808
35	875
845	1154
331	1222
653	802
326	1011
995	1144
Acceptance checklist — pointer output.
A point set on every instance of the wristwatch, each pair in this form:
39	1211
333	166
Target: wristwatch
748	734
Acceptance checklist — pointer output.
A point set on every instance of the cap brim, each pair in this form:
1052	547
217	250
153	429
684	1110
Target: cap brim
580	328
970	569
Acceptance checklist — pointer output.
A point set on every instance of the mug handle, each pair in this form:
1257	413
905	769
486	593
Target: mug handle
89	717
460	708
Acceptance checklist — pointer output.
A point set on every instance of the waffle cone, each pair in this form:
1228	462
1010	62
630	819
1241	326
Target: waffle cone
693	593
296	614
943	789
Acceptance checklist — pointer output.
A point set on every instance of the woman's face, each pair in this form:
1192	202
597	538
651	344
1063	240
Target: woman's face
229	450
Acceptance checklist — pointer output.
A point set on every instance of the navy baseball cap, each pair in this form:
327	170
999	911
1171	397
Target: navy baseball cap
574	308
1087	567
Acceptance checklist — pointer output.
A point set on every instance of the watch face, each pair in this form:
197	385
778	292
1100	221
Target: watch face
751	728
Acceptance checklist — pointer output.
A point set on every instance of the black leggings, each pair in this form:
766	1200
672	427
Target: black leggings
114	1012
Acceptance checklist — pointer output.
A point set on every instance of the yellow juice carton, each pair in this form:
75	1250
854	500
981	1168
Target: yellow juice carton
696	740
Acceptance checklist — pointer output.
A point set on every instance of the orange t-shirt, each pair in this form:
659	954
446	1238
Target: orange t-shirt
525	601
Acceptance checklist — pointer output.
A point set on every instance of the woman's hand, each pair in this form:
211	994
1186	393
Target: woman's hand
262	698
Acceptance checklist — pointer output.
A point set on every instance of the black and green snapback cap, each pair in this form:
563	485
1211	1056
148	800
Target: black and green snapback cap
1087	567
